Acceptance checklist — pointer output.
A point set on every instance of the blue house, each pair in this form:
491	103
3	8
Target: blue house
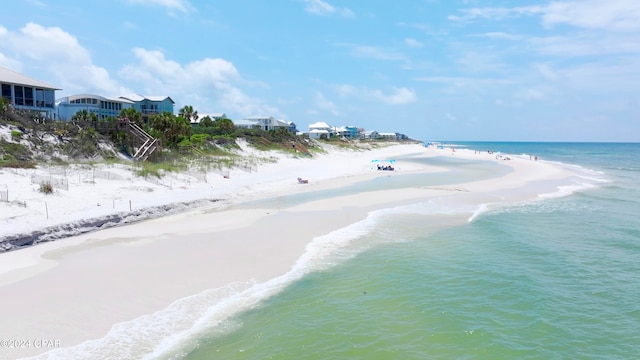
150	105
27	93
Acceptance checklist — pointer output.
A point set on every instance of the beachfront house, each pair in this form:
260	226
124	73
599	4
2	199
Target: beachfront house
265	123
101	106
26	93
318	129
388	135
370	135
349	132
150	105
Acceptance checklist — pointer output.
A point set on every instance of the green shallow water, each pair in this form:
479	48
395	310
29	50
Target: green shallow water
558	278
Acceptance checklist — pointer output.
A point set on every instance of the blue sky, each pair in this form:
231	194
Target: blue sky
432	69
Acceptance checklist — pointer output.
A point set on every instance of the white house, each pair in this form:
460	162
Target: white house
265	123
316	130
370	135
388	135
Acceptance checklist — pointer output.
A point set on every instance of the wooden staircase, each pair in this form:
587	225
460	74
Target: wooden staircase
298	147
150	144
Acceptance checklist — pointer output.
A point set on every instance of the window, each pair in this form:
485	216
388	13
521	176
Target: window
19	94
49	98
28	96
6	92
40	97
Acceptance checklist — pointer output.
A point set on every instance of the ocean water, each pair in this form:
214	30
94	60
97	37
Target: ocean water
557	278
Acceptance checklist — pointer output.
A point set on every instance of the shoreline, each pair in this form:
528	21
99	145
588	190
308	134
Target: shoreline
200	250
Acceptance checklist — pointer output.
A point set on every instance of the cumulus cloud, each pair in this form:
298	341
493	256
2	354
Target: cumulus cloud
319	7
209	84
59	53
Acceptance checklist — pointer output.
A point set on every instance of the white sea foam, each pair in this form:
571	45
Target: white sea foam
171	329
482	208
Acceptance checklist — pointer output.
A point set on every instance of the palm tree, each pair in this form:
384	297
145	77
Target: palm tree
171	129
224	125
132	114
188	113
84	116
206	122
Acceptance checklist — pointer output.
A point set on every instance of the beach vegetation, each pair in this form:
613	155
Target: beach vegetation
14	151
16	135
157	169
46	188
205	122
132	115
170	129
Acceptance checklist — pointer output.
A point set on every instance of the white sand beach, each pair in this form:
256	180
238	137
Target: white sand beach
93	292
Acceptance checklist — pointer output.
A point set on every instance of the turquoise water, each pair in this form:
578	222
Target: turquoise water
558	278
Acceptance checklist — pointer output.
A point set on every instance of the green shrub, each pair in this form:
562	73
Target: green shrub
16	135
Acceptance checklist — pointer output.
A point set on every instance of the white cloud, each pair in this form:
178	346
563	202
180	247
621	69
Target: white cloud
319	7
345	90
58	53
413	43
592	14
374	52
325	106
494	13
595	14
38	4
183	6
208	85
587	44
398	96
499	35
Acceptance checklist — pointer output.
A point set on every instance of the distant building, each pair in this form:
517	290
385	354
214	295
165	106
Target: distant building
27	93
150	105
388	135
265	123
103	107
318	129
370	135
349	132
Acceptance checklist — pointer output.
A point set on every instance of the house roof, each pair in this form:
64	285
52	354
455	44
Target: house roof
138	97
93	96
257	118
320	124
213	115
245	122
12	77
